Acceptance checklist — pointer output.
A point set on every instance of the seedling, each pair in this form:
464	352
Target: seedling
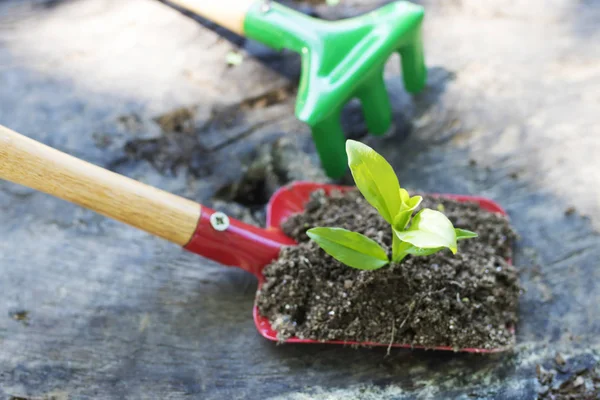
428	232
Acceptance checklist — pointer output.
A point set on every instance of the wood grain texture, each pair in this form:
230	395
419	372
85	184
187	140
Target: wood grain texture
35	165
229	14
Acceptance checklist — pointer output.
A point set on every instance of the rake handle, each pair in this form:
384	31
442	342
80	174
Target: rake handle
29	163
230	14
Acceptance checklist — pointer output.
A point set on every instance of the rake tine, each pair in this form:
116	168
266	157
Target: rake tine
414	71
376	105
330	142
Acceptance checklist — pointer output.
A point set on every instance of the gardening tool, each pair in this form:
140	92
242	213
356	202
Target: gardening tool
341	60
199	229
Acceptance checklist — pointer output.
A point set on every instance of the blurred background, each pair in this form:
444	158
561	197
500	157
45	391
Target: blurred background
93	309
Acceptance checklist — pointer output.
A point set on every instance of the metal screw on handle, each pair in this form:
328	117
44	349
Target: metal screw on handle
219	221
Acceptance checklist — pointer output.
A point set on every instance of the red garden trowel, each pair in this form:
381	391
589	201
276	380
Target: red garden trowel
198	229
341	60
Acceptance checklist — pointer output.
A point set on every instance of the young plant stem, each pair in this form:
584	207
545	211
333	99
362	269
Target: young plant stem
398	248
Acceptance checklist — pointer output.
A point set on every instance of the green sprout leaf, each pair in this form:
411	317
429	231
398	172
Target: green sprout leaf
404	196
408	202
429	230
401	220
375	178
418	251
351	248
414	202
406	210
399	249
464	234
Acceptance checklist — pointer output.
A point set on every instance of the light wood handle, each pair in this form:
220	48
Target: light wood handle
229	14
29	163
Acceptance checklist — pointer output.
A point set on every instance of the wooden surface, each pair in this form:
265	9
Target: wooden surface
37	166
93	309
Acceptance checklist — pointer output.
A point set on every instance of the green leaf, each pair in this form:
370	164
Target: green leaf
402	249
399	249
464	234
375	178
430	229
401	220
419	251
406	210
413	202
404	196
351	248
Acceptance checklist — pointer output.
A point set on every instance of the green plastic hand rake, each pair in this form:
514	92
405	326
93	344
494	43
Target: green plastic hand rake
341	60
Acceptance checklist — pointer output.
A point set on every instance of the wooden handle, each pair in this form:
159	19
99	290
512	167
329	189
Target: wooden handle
229	14
29	163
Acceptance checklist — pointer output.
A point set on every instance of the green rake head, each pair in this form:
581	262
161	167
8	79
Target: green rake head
342	60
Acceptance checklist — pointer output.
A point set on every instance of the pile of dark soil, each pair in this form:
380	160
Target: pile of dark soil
463	300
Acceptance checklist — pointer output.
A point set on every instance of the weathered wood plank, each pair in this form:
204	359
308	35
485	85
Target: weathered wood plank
93	309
